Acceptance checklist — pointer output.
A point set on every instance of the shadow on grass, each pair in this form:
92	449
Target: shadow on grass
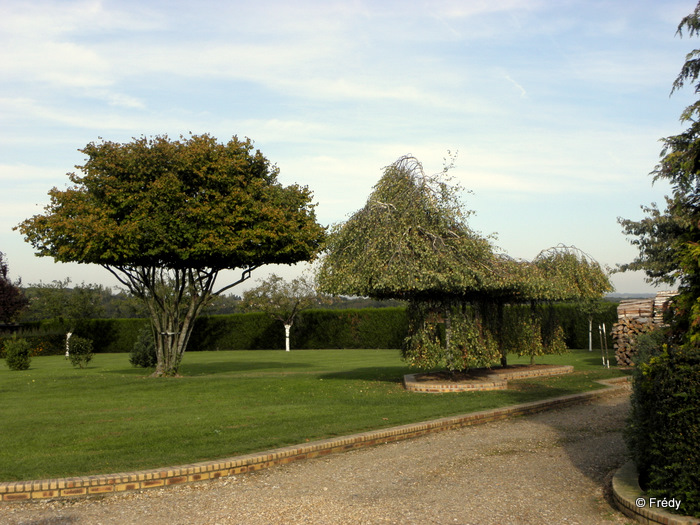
225	367
217	367
592	358
390	374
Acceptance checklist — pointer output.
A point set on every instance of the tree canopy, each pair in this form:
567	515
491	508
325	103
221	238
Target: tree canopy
12	299
664	421
411	241
669	240
189	203
166	216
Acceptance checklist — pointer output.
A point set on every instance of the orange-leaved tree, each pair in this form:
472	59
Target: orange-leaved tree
166	216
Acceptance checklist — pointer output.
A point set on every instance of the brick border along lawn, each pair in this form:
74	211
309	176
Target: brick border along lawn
84	486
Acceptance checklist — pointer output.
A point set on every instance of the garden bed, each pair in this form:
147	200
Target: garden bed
479	378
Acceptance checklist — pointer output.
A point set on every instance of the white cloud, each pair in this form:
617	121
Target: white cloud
460	9
60	64
546	102
521	89
21	174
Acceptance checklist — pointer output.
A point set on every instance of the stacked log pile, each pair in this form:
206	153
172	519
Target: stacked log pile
635	317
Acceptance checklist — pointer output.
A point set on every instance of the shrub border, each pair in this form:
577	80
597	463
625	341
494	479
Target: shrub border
85	486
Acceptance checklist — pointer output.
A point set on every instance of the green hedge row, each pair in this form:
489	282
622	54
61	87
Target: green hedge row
575	323
663	430
107	335
313	329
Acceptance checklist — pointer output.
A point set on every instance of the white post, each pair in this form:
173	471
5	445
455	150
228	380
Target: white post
590	334
68	344
605	338
287	328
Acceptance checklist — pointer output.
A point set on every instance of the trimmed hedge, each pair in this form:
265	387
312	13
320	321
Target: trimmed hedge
575	323
107	335
365	328
663	430
313	329
252	331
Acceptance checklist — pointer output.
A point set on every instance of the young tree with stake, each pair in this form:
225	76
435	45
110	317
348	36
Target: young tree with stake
281	300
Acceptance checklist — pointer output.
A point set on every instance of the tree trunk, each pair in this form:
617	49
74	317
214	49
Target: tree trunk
500	312
287	328
174	306
174	298
448	329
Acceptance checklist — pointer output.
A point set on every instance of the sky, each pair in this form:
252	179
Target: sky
554	110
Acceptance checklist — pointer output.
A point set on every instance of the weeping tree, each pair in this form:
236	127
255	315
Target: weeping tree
282	300
411	241
557	274
166	216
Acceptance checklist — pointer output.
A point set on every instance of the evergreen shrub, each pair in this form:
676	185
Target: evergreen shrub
143	353
663	431
18	353
80	351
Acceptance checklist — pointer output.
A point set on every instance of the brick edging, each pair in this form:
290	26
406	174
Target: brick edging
626	492
493	381
83	486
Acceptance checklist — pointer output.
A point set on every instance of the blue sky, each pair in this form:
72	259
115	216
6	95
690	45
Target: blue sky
555	109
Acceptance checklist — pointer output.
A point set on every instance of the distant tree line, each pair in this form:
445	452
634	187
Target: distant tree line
62	299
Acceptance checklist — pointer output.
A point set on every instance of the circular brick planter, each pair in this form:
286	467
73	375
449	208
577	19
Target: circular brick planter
628	495
483	379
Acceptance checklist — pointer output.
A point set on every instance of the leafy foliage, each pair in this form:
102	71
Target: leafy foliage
143	353
18	353
281	300
411	241
571	275
80	351
664	426
12	300
164	217
465	343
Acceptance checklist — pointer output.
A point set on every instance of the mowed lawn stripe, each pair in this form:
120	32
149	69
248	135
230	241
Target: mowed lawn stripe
58	421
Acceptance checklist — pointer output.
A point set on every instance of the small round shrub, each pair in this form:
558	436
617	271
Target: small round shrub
80	351
18	353
143	353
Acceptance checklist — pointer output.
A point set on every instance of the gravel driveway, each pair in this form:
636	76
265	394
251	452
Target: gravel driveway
549	468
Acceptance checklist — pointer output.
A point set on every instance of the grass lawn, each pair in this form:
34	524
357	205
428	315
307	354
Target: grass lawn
57	421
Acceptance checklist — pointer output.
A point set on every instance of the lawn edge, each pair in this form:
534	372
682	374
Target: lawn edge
88	486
